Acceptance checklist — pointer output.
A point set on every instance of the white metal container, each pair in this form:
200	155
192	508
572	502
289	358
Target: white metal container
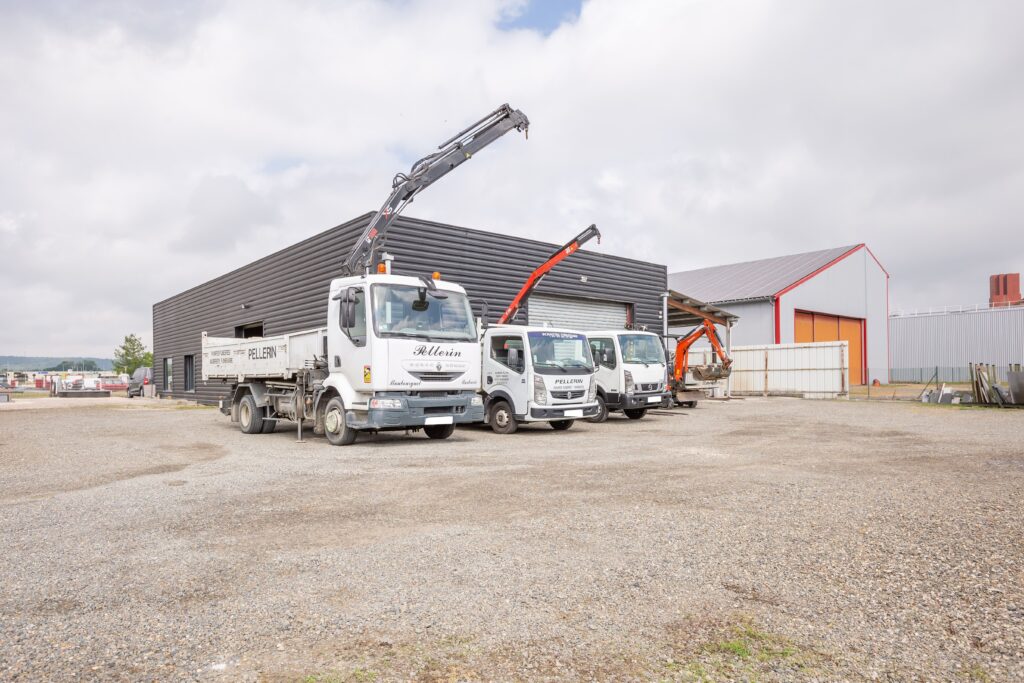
280	356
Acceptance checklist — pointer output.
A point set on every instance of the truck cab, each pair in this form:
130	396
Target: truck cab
403	352
631	373
536	374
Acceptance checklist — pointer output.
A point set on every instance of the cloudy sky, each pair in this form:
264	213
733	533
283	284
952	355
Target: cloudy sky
147	147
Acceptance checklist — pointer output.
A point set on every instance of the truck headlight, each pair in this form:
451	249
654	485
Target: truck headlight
386	403
540	391
477	400
628	384
592	394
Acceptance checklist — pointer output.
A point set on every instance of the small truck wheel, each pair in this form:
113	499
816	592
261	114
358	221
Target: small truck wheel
635	413
602	411
439	431
503	421
249	415
269	426
561	425
338	433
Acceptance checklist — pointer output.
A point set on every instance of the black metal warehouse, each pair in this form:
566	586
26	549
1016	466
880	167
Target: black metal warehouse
287	291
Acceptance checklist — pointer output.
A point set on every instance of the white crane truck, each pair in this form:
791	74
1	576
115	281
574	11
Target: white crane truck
397	353
631	373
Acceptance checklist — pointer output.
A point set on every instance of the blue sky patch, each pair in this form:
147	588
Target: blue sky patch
543	16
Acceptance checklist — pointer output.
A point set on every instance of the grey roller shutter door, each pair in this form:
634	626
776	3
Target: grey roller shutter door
576	314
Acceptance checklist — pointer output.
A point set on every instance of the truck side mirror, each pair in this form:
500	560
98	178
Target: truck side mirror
348	307
606	358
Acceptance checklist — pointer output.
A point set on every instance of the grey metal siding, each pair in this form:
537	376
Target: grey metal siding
287	290
951	341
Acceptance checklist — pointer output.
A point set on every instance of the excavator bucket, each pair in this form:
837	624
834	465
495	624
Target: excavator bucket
710	373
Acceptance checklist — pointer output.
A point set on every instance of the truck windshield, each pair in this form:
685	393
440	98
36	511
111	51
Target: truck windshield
410	311
560	353
641	348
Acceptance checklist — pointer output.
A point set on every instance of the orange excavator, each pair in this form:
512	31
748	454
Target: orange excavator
538	274
703	373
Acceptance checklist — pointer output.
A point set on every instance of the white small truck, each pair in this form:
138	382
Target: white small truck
631	373
397	352
536	374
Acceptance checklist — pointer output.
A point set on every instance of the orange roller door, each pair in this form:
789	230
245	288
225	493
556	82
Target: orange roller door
851	331
821	327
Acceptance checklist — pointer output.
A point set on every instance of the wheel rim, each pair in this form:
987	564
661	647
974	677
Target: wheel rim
332	421
245	414
501	417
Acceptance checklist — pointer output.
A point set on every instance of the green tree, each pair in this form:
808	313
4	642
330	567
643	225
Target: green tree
131	354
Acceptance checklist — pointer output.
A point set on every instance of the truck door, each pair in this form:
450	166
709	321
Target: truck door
351	354
505	369
607	364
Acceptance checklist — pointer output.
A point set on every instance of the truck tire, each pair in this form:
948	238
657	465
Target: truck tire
561	425
249	417
439	431
269	426
635	413
503	421
602	412
338	433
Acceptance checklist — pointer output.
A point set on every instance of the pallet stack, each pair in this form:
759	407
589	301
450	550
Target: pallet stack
986	388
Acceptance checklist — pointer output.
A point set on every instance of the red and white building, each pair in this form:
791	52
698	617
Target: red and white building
829	295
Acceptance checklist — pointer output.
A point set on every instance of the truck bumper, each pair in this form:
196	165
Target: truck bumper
661	399
563	412
419	412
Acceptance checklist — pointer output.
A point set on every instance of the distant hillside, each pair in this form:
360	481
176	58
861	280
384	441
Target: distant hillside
43	362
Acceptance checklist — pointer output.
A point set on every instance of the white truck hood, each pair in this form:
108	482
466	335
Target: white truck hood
419	365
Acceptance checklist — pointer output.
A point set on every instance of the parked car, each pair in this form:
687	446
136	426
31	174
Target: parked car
141	378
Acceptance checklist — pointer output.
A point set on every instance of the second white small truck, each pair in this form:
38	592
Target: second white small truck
631	373
536	374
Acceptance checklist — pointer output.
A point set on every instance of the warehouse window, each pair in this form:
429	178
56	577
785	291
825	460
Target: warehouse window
190	373
168	373
249	330
509	352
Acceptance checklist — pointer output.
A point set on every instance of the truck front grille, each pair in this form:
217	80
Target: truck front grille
569	394
436	376
650	387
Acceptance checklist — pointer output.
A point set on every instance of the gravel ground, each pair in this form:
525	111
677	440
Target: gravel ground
758	539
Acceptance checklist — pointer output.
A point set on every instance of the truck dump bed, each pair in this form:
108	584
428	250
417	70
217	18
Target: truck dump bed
277	357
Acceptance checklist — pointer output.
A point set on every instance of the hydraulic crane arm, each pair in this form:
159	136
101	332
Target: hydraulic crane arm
428	170
706	328
537	275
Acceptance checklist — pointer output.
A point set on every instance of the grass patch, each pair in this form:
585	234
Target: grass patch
975	672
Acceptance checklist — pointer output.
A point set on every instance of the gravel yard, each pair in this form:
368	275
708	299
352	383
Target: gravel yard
757	539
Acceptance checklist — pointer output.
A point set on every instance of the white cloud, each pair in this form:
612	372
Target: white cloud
692	133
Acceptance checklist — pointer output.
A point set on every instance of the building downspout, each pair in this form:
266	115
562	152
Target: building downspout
728	351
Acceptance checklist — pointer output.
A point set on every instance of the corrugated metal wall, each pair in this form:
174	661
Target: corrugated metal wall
577	314
287	291
815	370
951	341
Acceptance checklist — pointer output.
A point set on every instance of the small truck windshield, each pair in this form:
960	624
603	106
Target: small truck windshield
641	348
410	311
560	352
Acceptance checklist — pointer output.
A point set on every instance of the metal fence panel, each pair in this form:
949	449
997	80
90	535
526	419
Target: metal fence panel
815	370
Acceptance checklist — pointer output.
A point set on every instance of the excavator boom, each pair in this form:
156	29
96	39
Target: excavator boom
706	373
428	170
538	274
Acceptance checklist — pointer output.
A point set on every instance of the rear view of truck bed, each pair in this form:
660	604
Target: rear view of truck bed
277	357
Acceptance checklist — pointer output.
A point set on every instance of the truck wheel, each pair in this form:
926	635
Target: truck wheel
335	428
439	431
561	425
503	421
269	426
249	415
635	413
602	411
